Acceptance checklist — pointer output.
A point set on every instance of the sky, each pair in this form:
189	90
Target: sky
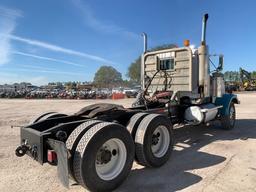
49	41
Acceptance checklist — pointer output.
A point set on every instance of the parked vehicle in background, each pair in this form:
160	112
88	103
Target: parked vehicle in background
232	86
248	83
131	92
117	90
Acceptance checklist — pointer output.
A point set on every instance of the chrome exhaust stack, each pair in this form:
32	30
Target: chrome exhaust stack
204	76
145	44
145	39
203	38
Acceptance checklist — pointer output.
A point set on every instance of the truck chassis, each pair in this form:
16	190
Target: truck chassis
97	145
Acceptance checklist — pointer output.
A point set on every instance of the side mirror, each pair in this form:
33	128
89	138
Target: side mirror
221	60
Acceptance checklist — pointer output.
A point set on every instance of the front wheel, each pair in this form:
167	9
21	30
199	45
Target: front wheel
228	121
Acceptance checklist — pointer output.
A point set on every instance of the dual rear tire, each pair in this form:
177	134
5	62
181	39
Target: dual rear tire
154	141
102	153
153	137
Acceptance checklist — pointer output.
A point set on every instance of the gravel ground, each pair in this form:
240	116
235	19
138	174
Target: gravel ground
204	159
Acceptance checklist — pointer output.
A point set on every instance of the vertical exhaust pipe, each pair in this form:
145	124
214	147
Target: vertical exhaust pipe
145	39
203	39
145	44
204	76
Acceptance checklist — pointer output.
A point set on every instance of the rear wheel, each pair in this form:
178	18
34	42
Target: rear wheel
228	121
73	140
134	123
154	140
103	157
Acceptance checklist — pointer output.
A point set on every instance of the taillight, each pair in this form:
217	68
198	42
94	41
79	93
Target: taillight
51	156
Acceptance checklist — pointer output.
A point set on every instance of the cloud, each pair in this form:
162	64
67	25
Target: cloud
7	25
12	75
98	25
47	58
9	78
32	68
41	80
10	13
36	67
8	19
29	68
60	49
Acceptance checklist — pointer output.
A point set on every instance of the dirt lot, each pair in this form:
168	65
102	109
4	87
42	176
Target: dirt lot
205	158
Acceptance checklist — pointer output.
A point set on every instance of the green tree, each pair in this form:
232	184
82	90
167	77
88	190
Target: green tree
135	67
107	77
232	76
127	83
134	70
253	74
70	85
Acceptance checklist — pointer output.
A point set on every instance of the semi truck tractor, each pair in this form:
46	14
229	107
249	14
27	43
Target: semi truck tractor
97	145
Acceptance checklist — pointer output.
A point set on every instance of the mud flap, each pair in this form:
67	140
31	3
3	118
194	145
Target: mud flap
62	155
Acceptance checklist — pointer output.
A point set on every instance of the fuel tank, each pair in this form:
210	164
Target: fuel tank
201	114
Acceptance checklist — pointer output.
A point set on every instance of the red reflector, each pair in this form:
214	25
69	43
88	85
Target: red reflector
161	111
51	156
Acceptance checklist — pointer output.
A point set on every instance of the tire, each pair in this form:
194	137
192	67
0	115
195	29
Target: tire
73	139
89	165
134	123
228	121
154	141
36	119
46	116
